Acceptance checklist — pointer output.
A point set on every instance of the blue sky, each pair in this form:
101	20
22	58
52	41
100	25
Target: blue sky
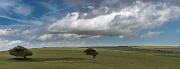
40	23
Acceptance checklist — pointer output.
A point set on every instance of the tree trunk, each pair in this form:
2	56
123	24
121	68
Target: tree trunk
94	56
24	56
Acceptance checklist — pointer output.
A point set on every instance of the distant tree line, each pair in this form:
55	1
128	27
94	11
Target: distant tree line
164	51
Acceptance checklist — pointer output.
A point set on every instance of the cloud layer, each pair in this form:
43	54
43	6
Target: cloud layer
131	19
72	22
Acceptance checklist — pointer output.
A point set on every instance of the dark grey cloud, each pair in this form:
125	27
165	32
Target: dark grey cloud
117	3
103	7
175	2
96	3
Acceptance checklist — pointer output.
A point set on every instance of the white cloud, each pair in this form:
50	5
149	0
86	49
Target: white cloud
6	4
68	36
7	32
10	8
150	34
130	35
55	11
14	7
25	32
122	36
126	21
62	43
18	20
45	37
62	36
36	22
15	42
7	44
23	10
49	6
14	32
95	36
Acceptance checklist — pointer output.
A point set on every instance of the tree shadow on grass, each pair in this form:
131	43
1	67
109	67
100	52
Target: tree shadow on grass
44	59
20	59
57	59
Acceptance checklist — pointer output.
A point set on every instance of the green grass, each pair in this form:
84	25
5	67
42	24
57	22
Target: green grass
108	58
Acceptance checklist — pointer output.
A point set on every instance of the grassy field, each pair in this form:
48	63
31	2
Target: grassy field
109	58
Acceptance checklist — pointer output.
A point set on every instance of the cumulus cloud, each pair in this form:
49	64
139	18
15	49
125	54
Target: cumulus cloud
7	44
150	34
88	19
14	32
45	37
25	32
63	36
5	32
125	21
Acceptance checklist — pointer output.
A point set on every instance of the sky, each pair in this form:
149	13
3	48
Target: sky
76	23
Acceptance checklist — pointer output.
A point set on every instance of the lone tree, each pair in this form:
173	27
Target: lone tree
91	51
20	51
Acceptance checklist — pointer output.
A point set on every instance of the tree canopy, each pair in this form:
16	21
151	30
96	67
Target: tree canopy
20	51
91	51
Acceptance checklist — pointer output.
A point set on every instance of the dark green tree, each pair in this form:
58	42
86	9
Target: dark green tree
20	51
91	51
